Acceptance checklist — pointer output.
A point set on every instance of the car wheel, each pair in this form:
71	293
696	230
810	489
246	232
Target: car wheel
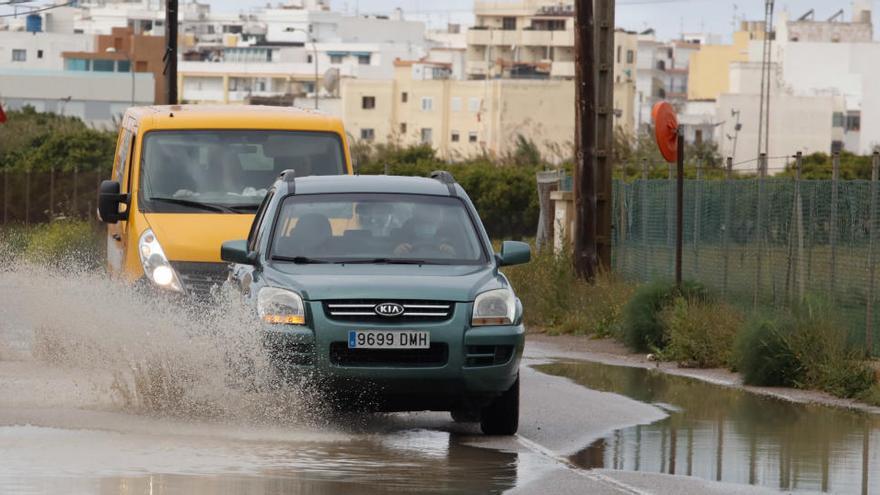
465	415
501	416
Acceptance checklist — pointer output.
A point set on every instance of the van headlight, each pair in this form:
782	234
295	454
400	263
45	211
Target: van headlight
494	307
280	307
155	263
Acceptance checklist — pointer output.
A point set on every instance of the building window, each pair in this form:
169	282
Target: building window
854	122
630	56
472	137
619	54
403	127
367	134
364	59
19	55
508	23
39	53
103	65
454	137
368	102
335	59
836	146
473	104
455	104
838	119
427	104
427	135
308	58
123	66
404	97
79	64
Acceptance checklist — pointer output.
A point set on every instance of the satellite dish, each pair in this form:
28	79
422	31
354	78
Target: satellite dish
331	80
666	130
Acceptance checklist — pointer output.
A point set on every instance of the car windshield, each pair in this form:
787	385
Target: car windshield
228	171
375	228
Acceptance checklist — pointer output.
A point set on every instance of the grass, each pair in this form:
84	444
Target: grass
700	333
556	301
63	243
642	328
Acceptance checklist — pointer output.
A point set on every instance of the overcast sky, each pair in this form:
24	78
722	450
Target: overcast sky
668	17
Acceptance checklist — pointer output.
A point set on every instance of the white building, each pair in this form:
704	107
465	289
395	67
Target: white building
40	51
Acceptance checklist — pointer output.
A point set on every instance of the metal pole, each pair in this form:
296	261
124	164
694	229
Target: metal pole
51	192
759	225
171	52
75	205
698	200
801	267
315	49
872	239
643	207
832	234
585	255
725	236
131	69
679	208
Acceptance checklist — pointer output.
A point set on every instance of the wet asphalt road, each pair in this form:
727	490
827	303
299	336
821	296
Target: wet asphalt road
50	443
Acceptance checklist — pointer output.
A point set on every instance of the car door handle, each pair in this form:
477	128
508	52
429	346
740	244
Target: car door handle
116	237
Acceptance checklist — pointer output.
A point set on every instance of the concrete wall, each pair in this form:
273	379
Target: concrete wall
97	98
50	44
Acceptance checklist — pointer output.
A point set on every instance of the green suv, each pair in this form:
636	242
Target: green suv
387	285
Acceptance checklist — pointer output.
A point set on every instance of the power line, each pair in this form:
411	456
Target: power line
67	4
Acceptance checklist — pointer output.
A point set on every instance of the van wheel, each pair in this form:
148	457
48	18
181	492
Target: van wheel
501	416
465	415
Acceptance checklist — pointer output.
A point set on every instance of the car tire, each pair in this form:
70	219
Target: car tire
465	415
501	416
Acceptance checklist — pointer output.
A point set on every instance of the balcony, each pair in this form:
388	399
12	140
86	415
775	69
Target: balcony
492	37
562	69
530	37
477	67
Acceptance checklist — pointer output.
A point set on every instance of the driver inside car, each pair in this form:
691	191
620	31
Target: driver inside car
426	232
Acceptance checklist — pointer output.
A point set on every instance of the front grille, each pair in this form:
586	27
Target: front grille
436	355
415	311
199	278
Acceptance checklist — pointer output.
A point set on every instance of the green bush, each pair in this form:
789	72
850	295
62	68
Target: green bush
556	300
701	334
63	244
805	348
642	329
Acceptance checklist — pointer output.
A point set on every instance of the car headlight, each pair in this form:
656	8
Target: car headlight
155	263
280	306
494	307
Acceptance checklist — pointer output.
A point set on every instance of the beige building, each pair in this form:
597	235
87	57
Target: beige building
464	118
709	74
532	38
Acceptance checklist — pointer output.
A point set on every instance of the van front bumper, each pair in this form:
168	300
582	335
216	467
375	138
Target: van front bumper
466	366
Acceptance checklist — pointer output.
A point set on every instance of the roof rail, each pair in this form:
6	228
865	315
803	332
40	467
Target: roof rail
443	176
446	178
289	176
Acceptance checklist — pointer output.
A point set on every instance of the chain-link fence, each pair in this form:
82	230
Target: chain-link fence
35	197
760	241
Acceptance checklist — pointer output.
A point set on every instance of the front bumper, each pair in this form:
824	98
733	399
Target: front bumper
466	367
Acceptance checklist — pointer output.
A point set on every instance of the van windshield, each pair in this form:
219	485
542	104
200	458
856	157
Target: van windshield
228	171
375	228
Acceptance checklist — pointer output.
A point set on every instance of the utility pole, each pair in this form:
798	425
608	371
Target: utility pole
766	80
604	129
585	256
170	57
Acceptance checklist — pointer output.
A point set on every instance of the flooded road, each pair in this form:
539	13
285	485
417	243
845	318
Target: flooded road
724	434
105	391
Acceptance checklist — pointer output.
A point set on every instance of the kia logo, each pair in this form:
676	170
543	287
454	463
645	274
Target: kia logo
388	309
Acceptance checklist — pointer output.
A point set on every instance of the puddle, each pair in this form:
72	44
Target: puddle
729	435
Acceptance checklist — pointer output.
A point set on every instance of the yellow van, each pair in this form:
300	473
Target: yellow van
188	177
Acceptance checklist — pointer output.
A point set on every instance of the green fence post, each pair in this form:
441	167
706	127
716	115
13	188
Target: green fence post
799	213
643	199
832	235
698	199
759	225
872	236
725	234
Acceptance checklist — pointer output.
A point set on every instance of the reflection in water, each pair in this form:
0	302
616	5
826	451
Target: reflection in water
34	460
724	434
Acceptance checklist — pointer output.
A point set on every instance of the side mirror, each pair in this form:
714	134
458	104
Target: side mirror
236	252
109	200
514	253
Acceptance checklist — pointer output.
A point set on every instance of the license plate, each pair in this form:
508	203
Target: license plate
388	339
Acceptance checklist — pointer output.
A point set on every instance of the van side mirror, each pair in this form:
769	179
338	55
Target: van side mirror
514	253
236	252
109	200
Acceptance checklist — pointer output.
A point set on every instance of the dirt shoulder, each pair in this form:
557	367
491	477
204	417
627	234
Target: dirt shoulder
609	351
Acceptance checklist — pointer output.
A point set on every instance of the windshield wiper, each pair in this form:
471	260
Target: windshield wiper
195	204
303	260
248	207
383	261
